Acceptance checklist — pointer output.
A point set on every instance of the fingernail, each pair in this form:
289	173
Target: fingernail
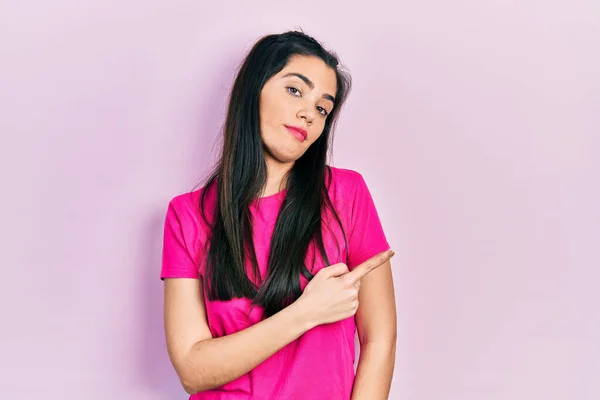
391	253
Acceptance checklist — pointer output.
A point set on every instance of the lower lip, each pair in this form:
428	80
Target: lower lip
297	134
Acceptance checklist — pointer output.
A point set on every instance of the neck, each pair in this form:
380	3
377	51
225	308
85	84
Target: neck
276	176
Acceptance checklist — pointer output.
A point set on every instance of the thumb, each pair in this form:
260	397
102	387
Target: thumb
335	270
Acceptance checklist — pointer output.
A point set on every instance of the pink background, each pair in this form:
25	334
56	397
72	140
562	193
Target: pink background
476	125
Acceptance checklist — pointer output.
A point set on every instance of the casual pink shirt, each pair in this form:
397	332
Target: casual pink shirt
319	365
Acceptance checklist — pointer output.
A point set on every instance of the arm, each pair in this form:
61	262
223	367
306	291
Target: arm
198	358
376	326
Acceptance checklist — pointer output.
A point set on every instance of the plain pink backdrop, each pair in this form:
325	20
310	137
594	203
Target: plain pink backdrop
476	125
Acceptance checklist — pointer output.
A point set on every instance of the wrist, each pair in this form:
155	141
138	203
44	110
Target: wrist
302	316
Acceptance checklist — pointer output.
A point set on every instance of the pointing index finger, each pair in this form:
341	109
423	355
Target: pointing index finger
372	263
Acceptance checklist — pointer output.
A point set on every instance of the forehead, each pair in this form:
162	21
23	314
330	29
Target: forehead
314	69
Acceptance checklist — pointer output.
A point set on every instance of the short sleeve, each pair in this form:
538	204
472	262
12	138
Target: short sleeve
367	237
177	262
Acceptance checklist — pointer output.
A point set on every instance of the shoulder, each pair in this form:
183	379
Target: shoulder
185	202
186	206
346	180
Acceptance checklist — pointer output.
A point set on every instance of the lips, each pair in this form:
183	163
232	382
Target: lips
300	133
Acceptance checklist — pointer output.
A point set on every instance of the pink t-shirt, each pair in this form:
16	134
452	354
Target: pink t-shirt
319	365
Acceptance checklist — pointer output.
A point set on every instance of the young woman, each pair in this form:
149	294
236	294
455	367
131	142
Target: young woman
263	264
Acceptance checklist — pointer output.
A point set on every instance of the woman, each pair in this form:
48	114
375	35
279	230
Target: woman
236	329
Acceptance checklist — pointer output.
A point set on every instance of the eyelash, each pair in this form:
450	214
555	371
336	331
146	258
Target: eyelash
290	93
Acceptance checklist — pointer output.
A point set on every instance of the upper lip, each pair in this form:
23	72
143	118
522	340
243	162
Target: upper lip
298	129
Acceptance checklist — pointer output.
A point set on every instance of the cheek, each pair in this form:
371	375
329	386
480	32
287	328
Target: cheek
317	130
273	110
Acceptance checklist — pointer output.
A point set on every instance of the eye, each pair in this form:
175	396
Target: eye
323	111
292	90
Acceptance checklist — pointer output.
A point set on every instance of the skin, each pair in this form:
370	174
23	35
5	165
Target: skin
332	295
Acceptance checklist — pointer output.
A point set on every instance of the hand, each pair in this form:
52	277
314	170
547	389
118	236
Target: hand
332	294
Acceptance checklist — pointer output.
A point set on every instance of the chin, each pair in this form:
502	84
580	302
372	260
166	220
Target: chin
286	159
285	156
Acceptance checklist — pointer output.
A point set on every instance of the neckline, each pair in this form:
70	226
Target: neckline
271	198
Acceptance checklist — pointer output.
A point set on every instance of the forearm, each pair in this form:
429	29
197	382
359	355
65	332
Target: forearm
374	373
215	362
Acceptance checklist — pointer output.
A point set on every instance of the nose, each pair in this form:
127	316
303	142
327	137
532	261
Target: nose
307	114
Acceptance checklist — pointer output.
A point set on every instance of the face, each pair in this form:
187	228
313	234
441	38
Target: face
300	96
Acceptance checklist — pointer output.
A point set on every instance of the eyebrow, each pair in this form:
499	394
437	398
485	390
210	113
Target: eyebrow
310	84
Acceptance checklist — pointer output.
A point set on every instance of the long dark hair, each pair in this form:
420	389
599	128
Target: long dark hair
240	175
